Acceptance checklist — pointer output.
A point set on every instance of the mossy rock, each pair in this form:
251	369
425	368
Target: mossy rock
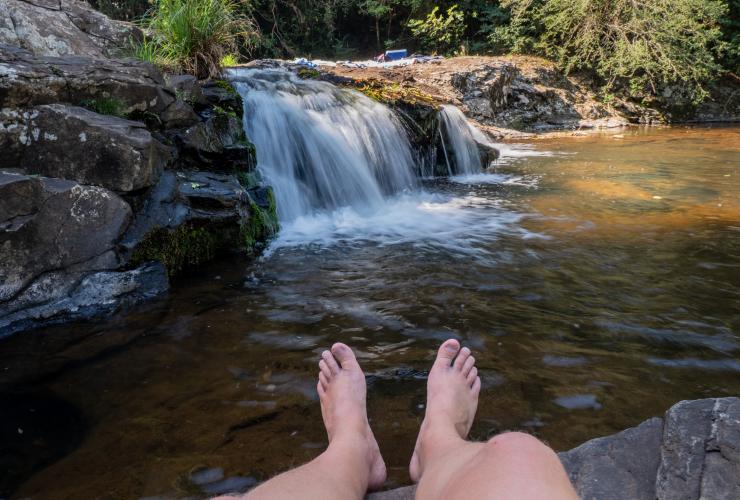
262	223
185	246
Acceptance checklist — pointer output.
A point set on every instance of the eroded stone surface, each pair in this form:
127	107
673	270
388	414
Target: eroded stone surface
73	143
62	27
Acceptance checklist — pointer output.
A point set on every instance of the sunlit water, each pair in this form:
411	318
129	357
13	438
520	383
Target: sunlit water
596	278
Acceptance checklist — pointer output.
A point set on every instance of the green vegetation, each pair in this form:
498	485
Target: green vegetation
195	35
637	47
440	34
105	106
394	93
640	49
261	225
178	248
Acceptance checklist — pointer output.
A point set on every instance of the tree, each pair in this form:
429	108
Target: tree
640	45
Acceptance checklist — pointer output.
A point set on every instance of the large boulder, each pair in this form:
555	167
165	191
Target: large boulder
52	224
133	86
189	216
73	143
700	453
61	28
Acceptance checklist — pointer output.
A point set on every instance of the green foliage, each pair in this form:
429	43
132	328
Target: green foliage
105	106
229	60
640	47
195	35
127	10
438	33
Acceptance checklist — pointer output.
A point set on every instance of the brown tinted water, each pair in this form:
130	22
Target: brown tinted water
609	290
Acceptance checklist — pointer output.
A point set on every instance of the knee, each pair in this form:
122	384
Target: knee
518	444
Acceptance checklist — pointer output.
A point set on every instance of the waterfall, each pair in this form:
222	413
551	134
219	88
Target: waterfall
322	147
462	139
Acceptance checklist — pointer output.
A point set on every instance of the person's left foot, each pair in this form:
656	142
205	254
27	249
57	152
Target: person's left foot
342	393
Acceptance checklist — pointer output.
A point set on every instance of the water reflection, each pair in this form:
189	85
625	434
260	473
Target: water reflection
596	294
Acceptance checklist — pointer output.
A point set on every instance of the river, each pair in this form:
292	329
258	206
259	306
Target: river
596	278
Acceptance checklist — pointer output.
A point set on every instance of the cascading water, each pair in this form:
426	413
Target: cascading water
343	170
462	152
322	147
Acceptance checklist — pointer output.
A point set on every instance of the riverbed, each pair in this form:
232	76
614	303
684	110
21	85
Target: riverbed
596	278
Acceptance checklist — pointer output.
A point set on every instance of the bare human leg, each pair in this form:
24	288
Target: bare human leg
352	463
446	466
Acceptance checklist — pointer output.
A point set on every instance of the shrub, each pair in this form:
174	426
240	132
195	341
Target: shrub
195	35
440	34
640	47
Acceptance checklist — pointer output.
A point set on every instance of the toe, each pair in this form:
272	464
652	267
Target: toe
461	358
330	362
472	375
476	386
447	353
325	369
323	380
320	390
468	366
345	356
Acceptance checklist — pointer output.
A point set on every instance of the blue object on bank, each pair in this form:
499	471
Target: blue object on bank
392	55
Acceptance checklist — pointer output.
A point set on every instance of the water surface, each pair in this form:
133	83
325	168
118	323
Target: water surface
596	278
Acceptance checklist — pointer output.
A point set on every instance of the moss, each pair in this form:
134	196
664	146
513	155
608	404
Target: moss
224	84
309	74
225	112
249	179
261	226
178	248
394	93
105	106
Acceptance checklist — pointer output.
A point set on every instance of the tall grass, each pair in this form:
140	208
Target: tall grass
195	35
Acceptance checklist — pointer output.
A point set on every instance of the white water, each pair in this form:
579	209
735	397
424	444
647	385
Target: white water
343	171
322	147
463	152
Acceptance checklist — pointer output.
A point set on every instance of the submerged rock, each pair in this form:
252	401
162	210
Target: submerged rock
73	143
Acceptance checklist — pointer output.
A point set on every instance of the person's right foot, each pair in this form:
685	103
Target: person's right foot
452	398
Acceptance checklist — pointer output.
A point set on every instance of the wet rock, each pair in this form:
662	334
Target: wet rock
218	143
189	216
53	226
28	80
62	27
220	93
235	484
612	468
96	294
700	453
178	115
73	143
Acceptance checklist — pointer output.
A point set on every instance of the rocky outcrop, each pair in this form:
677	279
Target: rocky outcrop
692	454
73	143
54	233
131	86
106	167
62	28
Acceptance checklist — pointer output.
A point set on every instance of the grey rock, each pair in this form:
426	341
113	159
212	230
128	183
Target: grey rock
619	466
223	95
27	80
403	493
186	87
217	143
179	114
189	196
96	294
700	453
62	27
73	143
485	90
49	225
